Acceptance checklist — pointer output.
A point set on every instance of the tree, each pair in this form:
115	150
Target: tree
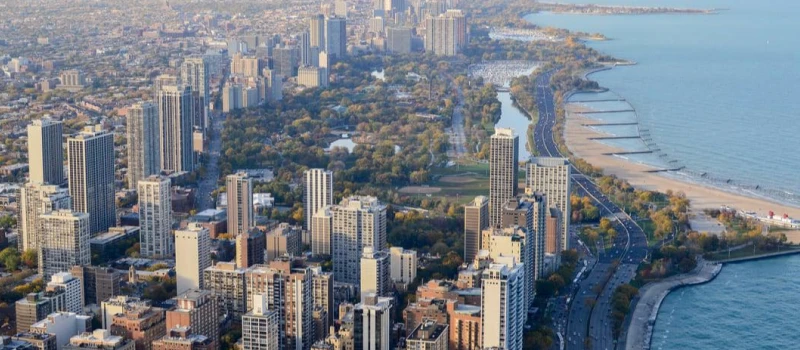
30	258
9	257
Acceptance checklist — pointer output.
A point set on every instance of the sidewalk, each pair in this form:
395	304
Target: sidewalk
651	295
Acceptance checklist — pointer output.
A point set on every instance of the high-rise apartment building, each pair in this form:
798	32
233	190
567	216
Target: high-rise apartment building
316	30
285	61
530	212
372	320
503	308
398	40
64	241
403	265
261	326
99	283
357	222
375	273
248	67
197	309
312	77
336	37
227	281
46	152
240	203
317	194
155	217
289	291
503	168
551	176
175	120
283	240
476	219
192	256
73	290
250	248
553	232
36	199
143	142
195	73
322	292
446	34
513	242
90	156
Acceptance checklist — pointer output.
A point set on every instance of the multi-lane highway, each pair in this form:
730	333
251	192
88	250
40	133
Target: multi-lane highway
588	323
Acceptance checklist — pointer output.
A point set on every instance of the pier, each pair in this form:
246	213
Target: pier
609	124
628	153
614	111
614	138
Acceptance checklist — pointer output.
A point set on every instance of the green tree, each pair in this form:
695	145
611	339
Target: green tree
30	258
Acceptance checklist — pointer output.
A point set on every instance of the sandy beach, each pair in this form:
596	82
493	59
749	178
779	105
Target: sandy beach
578	140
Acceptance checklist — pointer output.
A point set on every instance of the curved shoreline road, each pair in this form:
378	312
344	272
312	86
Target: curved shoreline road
589	316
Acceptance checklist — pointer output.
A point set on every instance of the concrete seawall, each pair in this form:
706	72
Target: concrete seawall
652	295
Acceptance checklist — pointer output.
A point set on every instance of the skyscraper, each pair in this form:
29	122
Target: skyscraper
175	120
529	212
502	305
503	167
288	290
476	219
155	217
316	30
317	193
195	73
143	142
551	176
239	189
192	257
46	152
64	241
99	283
285	61
90	156
261	326
357	222
375	273
336	37
36	199
446	34
513	242
398	40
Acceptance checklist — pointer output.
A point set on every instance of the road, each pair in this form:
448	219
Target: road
589	313
209	182
457	136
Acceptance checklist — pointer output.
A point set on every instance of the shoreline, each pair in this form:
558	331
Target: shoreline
579	140
652	295
639	332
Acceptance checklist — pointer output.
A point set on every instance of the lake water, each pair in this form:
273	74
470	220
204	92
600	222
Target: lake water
751	305
717	93
512	117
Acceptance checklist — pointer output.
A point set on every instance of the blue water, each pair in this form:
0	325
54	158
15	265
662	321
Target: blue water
752	305
511	117
718	93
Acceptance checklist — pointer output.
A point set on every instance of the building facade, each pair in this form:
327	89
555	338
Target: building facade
36	199
143	142
175	120
155	217
46	152
192	258
503	168
239	189
65	241
552	176
90	158
476	219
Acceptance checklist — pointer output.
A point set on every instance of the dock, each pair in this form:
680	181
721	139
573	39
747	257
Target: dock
614	111
614	138
609	124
